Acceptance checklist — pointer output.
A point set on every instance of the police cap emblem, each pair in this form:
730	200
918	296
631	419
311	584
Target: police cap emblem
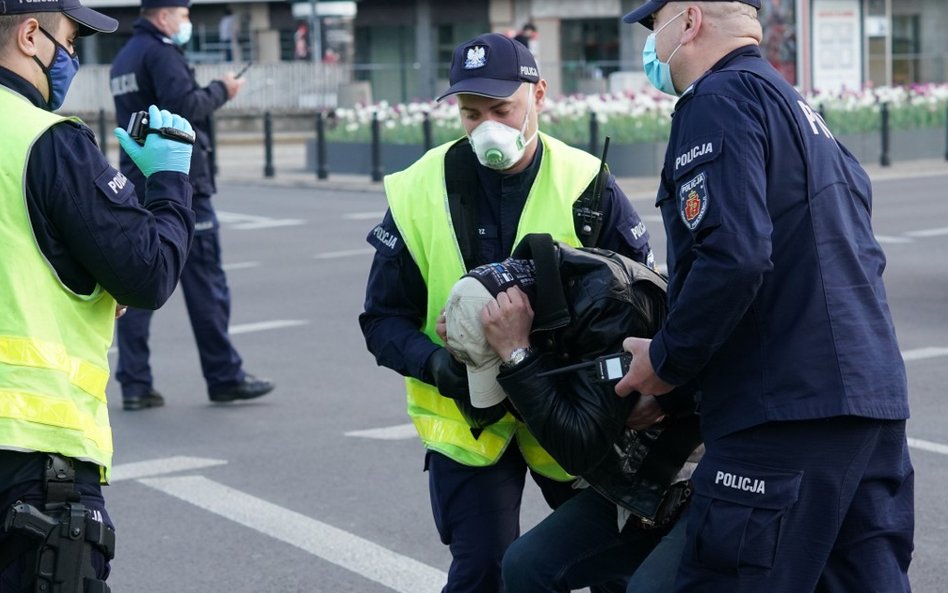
475	57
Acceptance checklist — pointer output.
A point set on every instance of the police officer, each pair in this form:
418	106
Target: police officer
75	243
464	204
778	309
151	68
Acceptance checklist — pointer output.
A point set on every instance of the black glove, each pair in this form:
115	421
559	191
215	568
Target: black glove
449	375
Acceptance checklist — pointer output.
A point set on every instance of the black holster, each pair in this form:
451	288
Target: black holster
57	541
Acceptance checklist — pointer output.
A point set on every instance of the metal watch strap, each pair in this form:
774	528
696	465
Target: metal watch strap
516	357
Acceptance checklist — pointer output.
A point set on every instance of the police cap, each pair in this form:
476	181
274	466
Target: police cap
89	21
491	65
643	14
166	3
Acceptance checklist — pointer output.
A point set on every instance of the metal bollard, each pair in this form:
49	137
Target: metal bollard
267	145
946	132
103	134
322	171
427	132
884	158
593	133
376	148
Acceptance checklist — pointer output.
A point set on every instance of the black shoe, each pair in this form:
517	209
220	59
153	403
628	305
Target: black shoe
150	399
249	388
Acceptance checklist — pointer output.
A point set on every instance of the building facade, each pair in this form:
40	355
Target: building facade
399	50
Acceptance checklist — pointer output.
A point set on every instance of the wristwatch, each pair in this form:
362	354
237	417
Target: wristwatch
516	357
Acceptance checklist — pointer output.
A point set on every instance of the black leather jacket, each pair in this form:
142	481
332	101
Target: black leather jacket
581	422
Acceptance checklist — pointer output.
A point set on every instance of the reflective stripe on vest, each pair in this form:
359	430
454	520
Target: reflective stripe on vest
418	201
53	342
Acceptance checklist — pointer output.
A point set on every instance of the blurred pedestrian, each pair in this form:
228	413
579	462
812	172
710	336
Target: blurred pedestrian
227	30
151	69
528	37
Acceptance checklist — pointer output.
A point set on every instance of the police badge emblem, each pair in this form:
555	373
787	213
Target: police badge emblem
693	201
476	57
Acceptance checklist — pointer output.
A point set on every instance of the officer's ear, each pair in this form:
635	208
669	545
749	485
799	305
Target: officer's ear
27	37
539	94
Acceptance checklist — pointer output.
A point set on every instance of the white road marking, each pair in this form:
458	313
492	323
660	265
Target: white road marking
890	239
364	216
247	328
928	446
923	353
247	222
157	467
361	556
243	265
388	433
347	253
928	233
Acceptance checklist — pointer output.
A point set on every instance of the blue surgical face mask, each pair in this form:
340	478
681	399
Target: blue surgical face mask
184	33
657	71
59	73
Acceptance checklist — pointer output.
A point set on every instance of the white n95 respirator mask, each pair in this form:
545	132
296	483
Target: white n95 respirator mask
499	146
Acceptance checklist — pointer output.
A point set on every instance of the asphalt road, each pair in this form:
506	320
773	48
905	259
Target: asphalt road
319	487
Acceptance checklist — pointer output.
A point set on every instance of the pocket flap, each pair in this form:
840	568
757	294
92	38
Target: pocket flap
696	152
742	483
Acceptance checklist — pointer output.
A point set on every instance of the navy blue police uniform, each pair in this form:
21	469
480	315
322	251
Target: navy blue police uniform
90	227
777	306
395	307
151	69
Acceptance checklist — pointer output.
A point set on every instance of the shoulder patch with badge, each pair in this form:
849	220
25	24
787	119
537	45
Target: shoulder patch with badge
693	200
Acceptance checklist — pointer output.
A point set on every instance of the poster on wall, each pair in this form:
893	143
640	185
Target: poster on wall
837	45
779	21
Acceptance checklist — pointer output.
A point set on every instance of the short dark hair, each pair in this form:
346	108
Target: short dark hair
10	22
529	27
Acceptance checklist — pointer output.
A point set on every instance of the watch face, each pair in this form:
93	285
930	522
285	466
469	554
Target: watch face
517	356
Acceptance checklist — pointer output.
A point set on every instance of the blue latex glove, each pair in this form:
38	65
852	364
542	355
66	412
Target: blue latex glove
159	153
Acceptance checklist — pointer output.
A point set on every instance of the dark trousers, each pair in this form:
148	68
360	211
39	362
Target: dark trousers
580	545
477	513
21	478
796	507
207	298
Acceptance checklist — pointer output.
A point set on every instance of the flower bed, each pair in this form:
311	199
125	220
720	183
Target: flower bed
639	117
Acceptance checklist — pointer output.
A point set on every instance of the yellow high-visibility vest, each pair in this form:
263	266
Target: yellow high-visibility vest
418	201
53	342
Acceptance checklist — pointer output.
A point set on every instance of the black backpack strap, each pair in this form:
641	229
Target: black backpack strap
550	309
461	183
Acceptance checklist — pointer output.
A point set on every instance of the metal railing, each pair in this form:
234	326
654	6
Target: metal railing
281	86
